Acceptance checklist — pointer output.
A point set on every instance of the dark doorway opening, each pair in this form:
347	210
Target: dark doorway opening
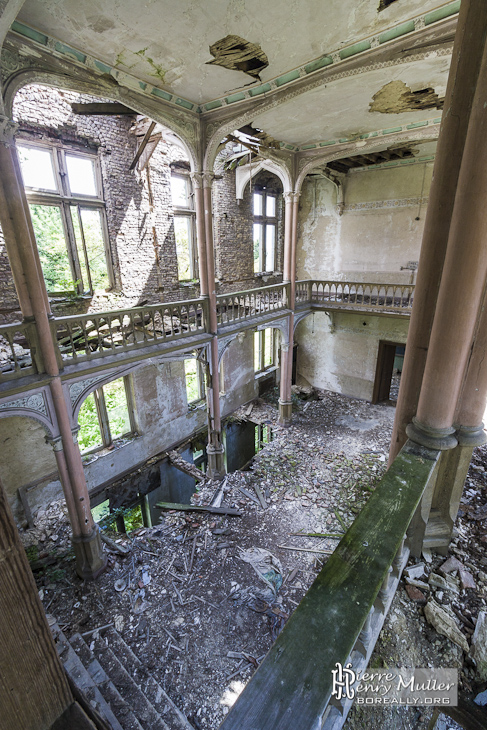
388	372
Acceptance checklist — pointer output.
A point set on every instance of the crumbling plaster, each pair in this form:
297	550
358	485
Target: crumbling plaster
378	232
123	36
344	103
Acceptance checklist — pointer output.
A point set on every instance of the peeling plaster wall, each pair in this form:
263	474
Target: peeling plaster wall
377	233
339	352
20	436
239	383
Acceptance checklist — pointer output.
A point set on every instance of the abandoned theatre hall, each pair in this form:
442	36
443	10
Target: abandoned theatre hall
243	372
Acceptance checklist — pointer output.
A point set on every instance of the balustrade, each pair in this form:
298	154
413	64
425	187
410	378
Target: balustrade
19	354
245	305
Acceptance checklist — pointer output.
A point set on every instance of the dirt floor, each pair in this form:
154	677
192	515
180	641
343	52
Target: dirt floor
201	618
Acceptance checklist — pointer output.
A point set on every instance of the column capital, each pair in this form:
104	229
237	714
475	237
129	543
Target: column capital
202	178
56	443
197	179
292	197
8	130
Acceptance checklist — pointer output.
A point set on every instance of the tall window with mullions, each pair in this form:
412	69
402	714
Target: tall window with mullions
265	231
64	192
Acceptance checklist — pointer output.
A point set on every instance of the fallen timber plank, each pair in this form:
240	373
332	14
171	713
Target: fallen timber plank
292	687
195	508
177	460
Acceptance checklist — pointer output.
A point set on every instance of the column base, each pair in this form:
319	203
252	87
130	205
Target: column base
440	439
91	561
285	412
216	461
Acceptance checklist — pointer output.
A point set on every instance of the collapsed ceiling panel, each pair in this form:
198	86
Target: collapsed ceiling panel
237	54
396	98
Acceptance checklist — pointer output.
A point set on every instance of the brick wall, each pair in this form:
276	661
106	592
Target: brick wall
144	264
233	231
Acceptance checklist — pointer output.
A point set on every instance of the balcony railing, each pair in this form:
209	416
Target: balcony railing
245	305
340	617
18	351
356	295
87	336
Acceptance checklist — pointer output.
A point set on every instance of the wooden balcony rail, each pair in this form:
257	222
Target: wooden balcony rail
355	295
244	305
19	354
340	617
82	337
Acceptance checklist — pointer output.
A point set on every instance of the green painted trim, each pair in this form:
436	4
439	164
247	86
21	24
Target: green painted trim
235	97
326	144
286	78
184	103
213	105
258	90
437	121
319	63
103	67
359	47
308	147
68	51
161	94
441	13
34	35
396	32
143	85
289	147
392	130
415	125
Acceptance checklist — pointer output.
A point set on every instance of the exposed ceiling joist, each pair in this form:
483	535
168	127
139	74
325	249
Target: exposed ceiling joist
102	108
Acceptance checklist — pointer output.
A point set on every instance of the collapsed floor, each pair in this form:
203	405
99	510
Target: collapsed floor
201	618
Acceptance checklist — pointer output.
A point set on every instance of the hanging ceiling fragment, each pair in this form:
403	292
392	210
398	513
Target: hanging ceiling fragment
238	54
396	98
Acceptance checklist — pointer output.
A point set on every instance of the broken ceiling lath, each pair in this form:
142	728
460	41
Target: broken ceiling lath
396	98
237	54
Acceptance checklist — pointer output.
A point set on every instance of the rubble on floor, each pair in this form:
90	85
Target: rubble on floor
189	601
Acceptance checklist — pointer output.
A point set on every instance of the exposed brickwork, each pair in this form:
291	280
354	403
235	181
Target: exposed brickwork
234	232
141	235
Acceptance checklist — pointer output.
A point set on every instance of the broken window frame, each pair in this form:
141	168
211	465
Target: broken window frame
265	220
200	382
187	213
103	417
72	203
260	337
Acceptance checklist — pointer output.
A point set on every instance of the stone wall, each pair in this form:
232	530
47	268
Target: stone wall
141	231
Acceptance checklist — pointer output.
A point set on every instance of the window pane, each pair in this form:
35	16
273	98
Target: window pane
257	340
258	204
51	243
81	175
257	247
270	245
268	349
37	168
79	246
117	409
182	231
179	191
270	206
89	434
95	247
191	375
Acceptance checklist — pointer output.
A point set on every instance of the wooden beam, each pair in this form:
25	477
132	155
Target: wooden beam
194	508
142	145
34	689
101	108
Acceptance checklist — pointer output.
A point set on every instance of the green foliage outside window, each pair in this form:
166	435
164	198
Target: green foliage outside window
51	243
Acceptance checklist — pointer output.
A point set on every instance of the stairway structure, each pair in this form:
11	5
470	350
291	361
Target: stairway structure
120	691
